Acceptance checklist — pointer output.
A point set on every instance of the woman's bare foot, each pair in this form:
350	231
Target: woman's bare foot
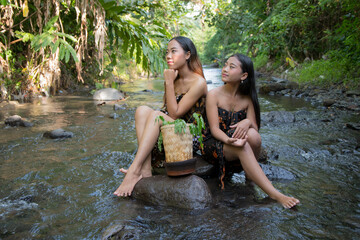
144	173
126	187
287	202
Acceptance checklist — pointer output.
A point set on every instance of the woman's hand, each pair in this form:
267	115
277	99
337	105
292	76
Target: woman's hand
237	142
170	75
241	130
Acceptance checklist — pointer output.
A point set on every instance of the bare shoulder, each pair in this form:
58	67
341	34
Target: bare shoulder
199	83
246	99
214	93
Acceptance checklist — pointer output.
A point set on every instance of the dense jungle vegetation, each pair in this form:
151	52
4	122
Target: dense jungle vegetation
59	44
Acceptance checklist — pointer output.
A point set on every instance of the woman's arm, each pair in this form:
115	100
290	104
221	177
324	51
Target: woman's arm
250	115
177	110
170	98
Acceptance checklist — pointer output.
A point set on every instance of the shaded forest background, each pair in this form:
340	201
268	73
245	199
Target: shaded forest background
50	45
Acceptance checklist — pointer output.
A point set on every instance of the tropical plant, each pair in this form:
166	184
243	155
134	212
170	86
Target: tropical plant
44	38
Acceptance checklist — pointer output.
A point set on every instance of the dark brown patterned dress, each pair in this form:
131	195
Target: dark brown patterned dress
157	157
213	148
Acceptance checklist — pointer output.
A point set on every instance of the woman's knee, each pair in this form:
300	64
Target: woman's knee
143	112
254	138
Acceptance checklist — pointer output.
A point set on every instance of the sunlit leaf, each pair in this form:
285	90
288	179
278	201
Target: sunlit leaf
25	8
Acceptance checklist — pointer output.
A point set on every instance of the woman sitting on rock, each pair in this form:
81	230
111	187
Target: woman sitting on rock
185	92
233	121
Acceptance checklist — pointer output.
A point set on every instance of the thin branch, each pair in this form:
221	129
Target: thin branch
23	20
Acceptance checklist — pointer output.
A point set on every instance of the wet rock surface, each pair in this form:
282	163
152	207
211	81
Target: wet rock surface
277	173
114	115
330	98
119	106
16	121
278	116
188	192
58	133
191	192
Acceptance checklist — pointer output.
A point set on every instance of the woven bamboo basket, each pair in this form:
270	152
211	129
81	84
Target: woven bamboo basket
178	147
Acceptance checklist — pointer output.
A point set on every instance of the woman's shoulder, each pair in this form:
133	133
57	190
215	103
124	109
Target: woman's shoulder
199	79
199	82
216	91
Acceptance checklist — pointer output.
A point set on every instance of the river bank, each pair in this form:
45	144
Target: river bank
332	97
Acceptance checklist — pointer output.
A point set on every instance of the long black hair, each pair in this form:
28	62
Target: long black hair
247	87
193	62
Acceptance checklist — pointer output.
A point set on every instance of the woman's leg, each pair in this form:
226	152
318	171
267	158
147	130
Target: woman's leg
146	144
141	115
256	174
254	139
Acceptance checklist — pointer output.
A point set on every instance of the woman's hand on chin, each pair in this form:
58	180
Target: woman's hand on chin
170	75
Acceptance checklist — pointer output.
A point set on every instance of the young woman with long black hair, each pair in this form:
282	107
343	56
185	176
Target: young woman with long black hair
185	92
233	122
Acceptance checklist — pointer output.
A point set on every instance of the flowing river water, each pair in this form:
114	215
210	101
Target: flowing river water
63	189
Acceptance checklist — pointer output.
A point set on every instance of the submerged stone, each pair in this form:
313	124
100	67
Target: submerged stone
188	192
58	133
119	106
114	115
16	121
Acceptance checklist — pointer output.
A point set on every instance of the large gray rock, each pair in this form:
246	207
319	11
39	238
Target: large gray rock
271	87
58	133
188	192
108	94
16	121
277	85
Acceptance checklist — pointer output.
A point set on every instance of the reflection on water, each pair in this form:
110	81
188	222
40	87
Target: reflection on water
63	188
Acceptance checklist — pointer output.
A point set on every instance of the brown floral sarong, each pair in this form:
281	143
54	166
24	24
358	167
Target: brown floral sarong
213	148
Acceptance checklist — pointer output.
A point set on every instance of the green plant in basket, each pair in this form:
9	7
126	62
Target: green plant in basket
180	127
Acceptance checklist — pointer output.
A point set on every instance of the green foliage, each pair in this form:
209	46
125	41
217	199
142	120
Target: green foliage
47	38
180	127
196	129
137	32
260	61
286	32
99	86
128	32
326	73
